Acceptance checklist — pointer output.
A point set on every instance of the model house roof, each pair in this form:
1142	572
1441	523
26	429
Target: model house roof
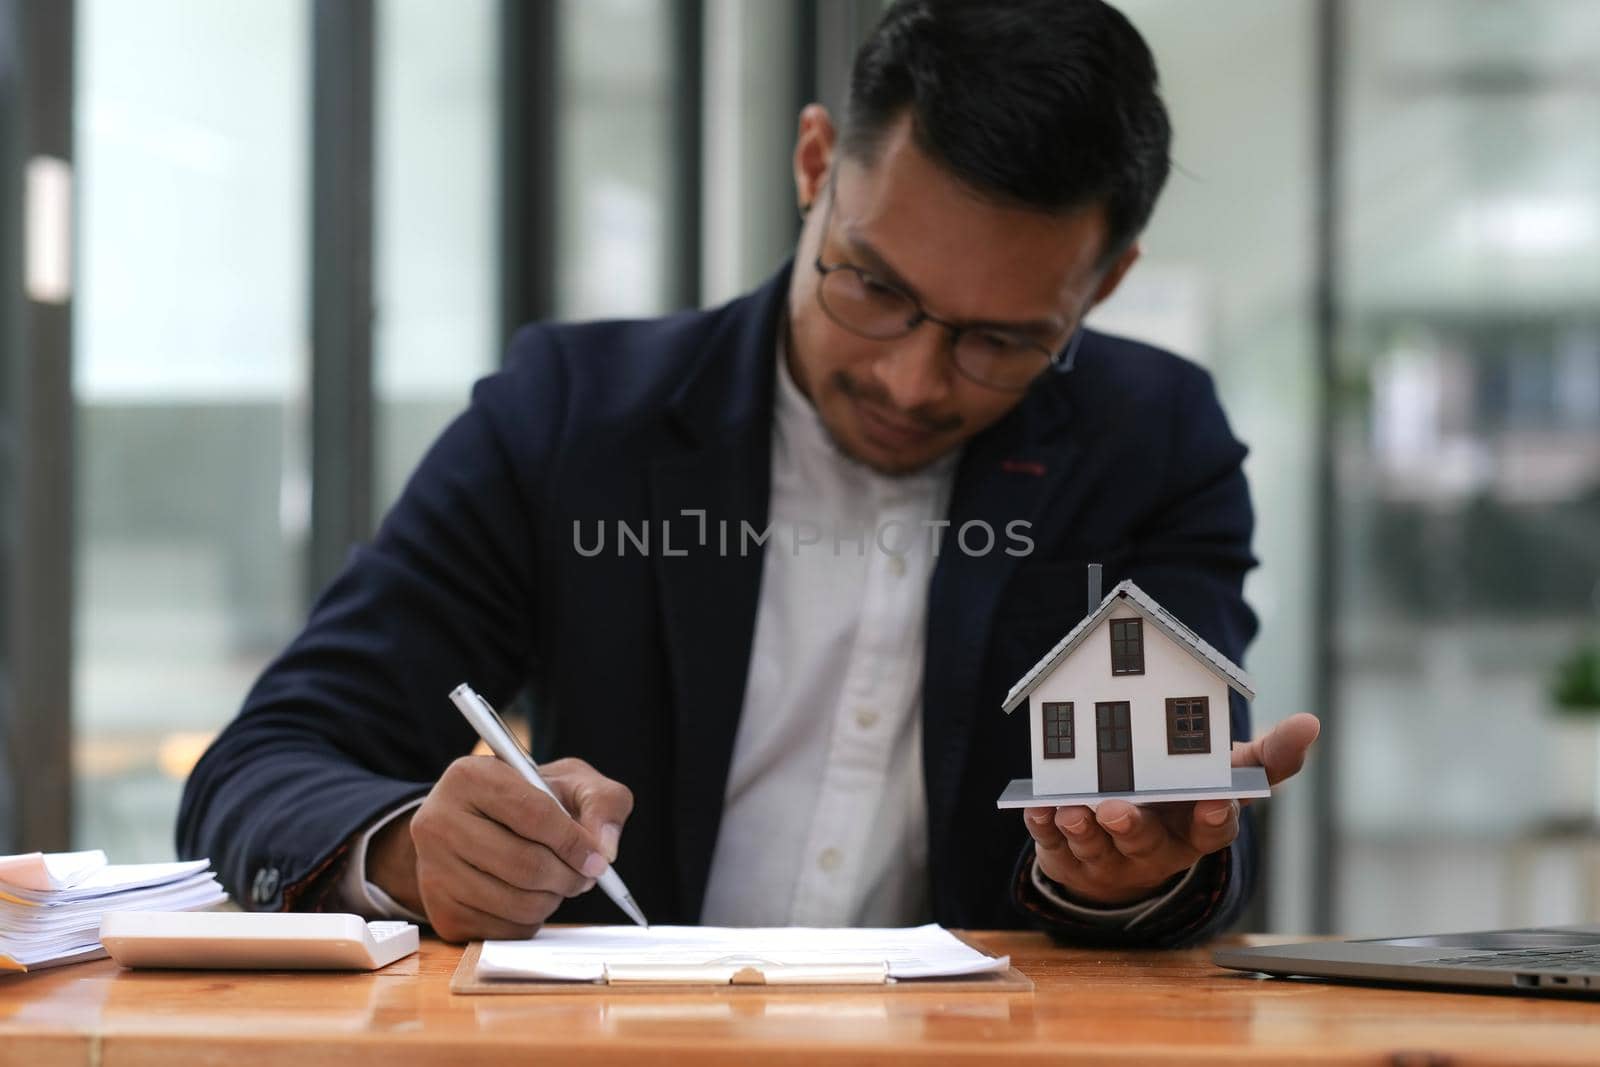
1162	619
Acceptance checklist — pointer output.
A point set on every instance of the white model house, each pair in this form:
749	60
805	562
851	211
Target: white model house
1130	702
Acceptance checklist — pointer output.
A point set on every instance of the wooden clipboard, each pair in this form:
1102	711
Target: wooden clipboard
465	980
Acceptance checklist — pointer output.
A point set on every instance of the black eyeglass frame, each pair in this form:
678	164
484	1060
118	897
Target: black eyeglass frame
1061	360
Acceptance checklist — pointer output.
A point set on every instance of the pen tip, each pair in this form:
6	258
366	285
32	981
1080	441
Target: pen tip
633	910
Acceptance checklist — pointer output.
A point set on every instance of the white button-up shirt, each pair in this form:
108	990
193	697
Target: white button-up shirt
825	817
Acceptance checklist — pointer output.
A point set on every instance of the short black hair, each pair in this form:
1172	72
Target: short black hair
1045	104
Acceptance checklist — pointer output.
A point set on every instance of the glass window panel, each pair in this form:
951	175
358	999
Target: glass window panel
436	220
1468	451
614	159
190	377
751	73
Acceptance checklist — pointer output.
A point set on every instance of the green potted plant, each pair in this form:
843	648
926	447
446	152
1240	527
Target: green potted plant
1574	696
1576	689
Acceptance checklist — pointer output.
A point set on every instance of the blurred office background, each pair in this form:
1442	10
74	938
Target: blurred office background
253	253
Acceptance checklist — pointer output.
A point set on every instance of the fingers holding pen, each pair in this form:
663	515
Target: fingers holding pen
457	920
502	796
599	804
495	855
491	895
522	865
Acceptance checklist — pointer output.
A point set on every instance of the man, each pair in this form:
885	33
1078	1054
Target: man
845	513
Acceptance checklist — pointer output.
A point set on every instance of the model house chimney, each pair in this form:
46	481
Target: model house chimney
1094	588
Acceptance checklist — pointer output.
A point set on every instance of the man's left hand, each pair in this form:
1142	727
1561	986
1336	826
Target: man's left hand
1121	852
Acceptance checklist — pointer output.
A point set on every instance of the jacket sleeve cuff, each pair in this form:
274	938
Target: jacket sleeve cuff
325	884
1122	916
1179	913
354	892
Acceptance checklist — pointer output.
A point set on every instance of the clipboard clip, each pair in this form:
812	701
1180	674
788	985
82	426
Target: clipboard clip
749	970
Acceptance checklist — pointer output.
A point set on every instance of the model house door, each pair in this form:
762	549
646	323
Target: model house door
1114	736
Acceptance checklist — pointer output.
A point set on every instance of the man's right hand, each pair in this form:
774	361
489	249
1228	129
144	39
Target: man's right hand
489	856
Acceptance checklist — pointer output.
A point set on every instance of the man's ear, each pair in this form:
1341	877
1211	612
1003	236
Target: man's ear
813	154
1113	277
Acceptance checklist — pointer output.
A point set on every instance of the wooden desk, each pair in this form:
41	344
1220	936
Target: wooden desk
1133	1007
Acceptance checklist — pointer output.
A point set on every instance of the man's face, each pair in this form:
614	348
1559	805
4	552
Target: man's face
897	405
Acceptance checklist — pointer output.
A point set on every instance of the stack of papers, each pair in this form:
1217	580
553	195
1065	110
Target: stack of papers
50	905
716	954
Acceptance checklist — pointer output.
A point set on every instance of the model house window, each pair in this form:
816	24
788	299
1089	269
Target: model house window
1188	724
1127	646
1057	731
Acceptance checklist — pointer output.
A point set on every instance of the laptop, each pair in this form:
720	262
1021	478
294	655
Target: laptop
1555	960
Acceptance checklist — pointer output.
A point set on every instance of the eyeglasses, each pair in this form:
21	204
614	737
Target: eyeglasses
870	307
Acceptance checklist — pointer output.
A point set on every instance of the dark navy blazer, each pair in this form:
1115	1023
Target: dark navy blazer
636	661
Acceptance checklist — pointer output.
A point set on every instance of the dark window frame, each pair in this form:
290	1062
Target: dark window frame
1182	739
341	273
38	513
1063	717
1127	653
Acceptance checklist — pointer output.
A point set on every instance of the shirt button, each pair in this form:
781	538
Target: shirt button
897	566
866	718
829	860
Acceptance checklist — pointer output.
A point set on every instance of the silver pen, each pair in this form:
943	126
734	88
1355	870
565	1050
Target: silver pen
493	730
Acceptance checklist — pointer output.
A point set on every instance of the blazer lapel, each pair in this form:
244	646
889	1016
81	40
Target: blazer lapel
709	584
1019	470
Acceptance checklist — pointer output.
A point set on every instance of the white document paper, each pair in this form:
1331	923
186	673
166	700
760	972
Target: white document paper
117	880
51	904
586	953
46	872
196	891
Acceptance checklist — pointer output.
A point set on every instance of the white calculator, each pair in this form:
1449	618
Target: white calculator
254	940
